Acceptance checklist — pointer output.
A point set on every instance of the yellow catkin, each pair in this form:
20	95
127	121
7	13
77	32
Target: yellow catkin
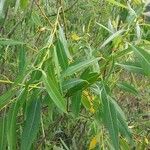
93	143
75	37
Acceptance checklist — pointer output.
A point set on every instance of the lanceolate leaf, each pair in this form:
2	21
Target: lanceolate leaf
3	131
64	42
144	57
127	87
31	126
11	119
109	117
53	92
132	67
122	125
76	103
78	67
61	55
116	34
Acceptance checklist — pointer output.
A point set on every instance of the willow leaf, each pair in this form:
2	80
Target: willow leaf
53	92
31	126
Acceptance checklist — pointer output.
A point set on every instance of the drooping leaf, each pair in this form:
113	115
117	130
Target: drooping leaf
53	92
12	119
3	141
61	54
109	117
127	87
31	125
76	103
64	42
134	67
122	124
144	57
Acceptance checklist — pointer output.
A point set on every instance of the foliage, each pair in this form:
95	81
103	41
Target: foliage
64	67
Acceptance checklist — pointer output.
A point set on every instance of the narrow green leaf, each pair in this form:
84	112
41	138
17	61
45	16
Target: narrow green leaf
64	42
53	92
3	131
116	34
77	67
32	122
122	125
2	8
76	103
132	67
48	101
61	54
117	107
127	87
109	117
12	118
144	57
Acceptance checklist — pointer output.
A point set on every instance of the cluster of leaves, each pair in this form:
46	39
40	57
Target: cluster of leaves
59	88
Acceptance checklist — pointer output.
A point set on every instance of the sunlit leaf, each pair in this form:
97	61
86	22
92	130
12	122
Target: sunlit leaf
77	67
114	35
